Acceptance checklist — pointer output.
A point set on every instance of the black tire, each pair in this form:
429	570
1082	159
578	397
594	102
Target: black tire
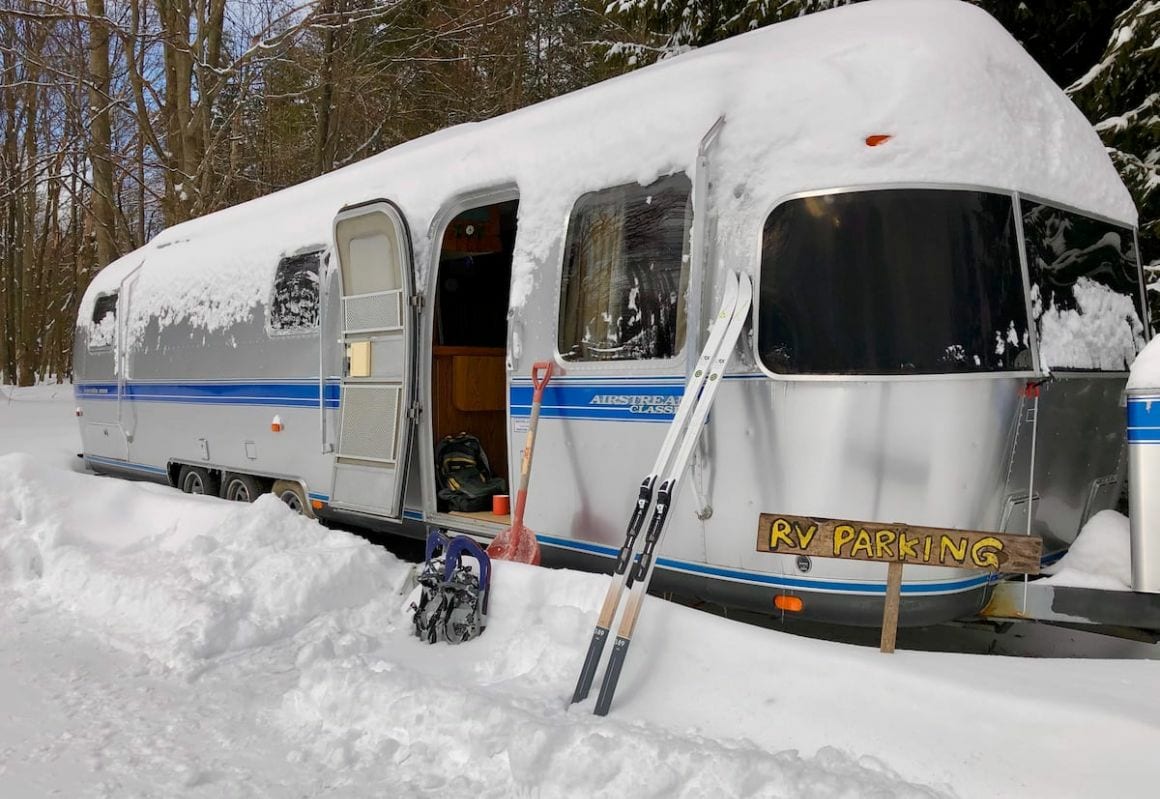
196	480
241	487
293	495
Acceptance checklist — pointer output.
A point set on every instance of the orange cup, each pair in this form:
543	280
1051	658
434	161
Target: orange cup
501	504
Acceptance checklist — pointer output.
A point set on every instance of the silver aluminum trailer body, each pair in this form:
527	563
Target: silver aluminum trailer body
192	373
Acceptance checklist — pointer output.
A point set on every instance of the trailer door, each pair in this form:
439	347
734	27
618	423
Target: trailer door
376	417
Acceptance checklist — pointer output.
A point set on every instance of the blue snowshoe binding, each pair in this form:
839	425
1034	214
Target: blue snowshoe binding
452	604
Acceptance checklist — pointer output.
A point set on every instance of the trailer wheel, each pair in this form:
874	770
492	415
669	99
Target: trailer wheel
242	488
196	480
292	494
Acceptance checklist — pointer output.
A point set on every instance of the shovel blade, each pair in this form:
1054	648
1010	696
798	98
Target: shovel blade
519	545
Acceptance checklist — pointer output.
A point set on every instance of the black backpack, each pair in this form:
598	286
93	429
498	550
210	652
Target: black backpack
464	475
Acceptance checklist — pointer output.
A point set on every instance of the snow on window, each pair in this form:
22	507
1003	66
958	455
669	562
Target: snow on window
103	329
294	303
894	281
1085	290
625	273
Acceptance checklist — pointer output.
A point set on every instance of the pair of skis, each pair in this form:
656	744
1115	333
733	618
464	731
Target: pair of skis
633	572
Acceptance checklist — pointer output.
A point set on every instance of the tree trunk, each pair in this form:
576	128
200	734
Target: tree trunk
101	135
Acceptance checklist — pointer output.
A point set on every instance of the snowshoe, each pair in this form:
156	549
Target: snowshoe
452	601
427	610
465	592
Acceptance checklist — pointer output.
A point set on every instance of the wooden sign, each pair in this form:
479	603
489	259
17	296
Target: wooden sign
897	545
928	546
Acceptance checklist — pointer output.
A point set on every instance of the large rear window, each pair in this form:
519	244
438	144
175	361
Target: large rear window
1085	289
893	282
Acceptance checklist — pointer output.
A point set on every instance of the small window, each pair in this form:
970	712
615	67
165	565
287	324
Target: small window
294	303
1085	290
893	282
103	330
626	269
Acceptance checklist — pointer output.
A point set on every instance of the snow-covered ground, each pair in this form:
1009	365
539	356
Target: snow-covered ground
156	644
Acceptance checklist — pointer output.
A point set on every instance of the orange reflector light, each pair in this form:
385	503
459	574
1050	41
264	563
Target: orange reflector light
276	424
317	504
875	139
791	604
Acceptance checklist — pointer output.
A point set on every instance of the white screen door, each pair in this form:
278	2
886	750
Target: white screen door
374	256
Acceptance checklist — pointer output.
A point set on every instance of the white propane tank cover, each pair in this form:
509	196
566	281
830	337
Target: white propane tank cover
1143	410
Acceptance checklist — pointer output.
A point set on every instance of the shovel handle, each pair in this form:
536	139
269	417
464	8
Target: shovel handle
541	373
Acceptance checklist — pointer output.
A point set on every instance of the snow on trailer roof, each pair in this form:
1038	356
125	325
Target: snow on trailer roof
962	102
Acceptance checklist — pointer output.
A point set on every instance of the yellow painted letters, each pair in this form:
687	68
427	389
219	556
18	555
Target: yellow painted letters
864	543
907	547
985	553
779	534
882	543
956	547
843	534
806	536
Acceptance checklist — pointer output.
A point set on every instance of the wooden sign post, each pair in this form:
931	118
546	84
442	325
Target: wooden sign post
897	545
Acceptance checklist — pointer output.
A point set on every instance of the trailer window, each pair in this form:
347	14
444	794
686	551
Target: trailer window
626	267
892	282
1085	289
294	302
103	330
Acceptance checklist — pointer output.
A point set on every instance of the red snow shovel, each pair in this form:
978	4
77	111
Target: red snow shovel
517	542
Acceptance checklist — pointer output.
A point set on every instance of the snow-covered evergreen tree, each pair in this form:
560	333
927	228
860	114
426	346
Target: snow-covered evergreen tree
1121	95
670	27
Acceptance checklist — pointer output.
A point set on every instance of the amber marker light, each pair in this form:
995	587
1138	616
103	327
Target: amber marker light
789	604
317	504
874	139
276	424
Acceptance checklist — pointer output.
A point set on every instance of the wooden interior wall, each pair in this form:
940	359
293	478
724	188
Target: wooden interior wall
469	387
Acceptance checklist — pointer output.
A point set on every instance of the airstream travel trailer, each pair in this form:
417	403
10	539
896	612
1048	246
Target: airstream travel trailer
930	225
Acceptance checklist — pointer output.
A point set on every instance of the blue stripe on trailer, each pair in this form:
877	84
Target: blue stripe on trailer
1144	420
670	380
781	581
1051	558
136	467
582	380
821	584
413	514
296	394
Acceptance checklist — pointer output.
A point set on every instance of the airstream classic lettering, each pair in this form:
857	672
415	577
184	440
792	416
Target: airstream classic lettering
931	228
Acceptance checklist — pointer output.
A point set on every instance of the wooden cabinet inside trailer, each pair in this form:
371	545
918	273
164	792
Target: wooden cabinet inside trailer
468	387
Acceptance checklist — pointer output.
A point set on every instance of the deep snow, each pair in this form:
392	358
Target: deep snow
156	644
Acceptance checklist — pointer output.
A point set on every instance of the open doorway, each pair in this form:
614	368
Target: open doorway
468	377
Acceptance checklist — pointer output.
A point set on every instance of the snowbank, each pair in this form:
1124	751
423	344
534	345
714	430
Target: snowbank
1100	557
193	584
181	579
153	643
